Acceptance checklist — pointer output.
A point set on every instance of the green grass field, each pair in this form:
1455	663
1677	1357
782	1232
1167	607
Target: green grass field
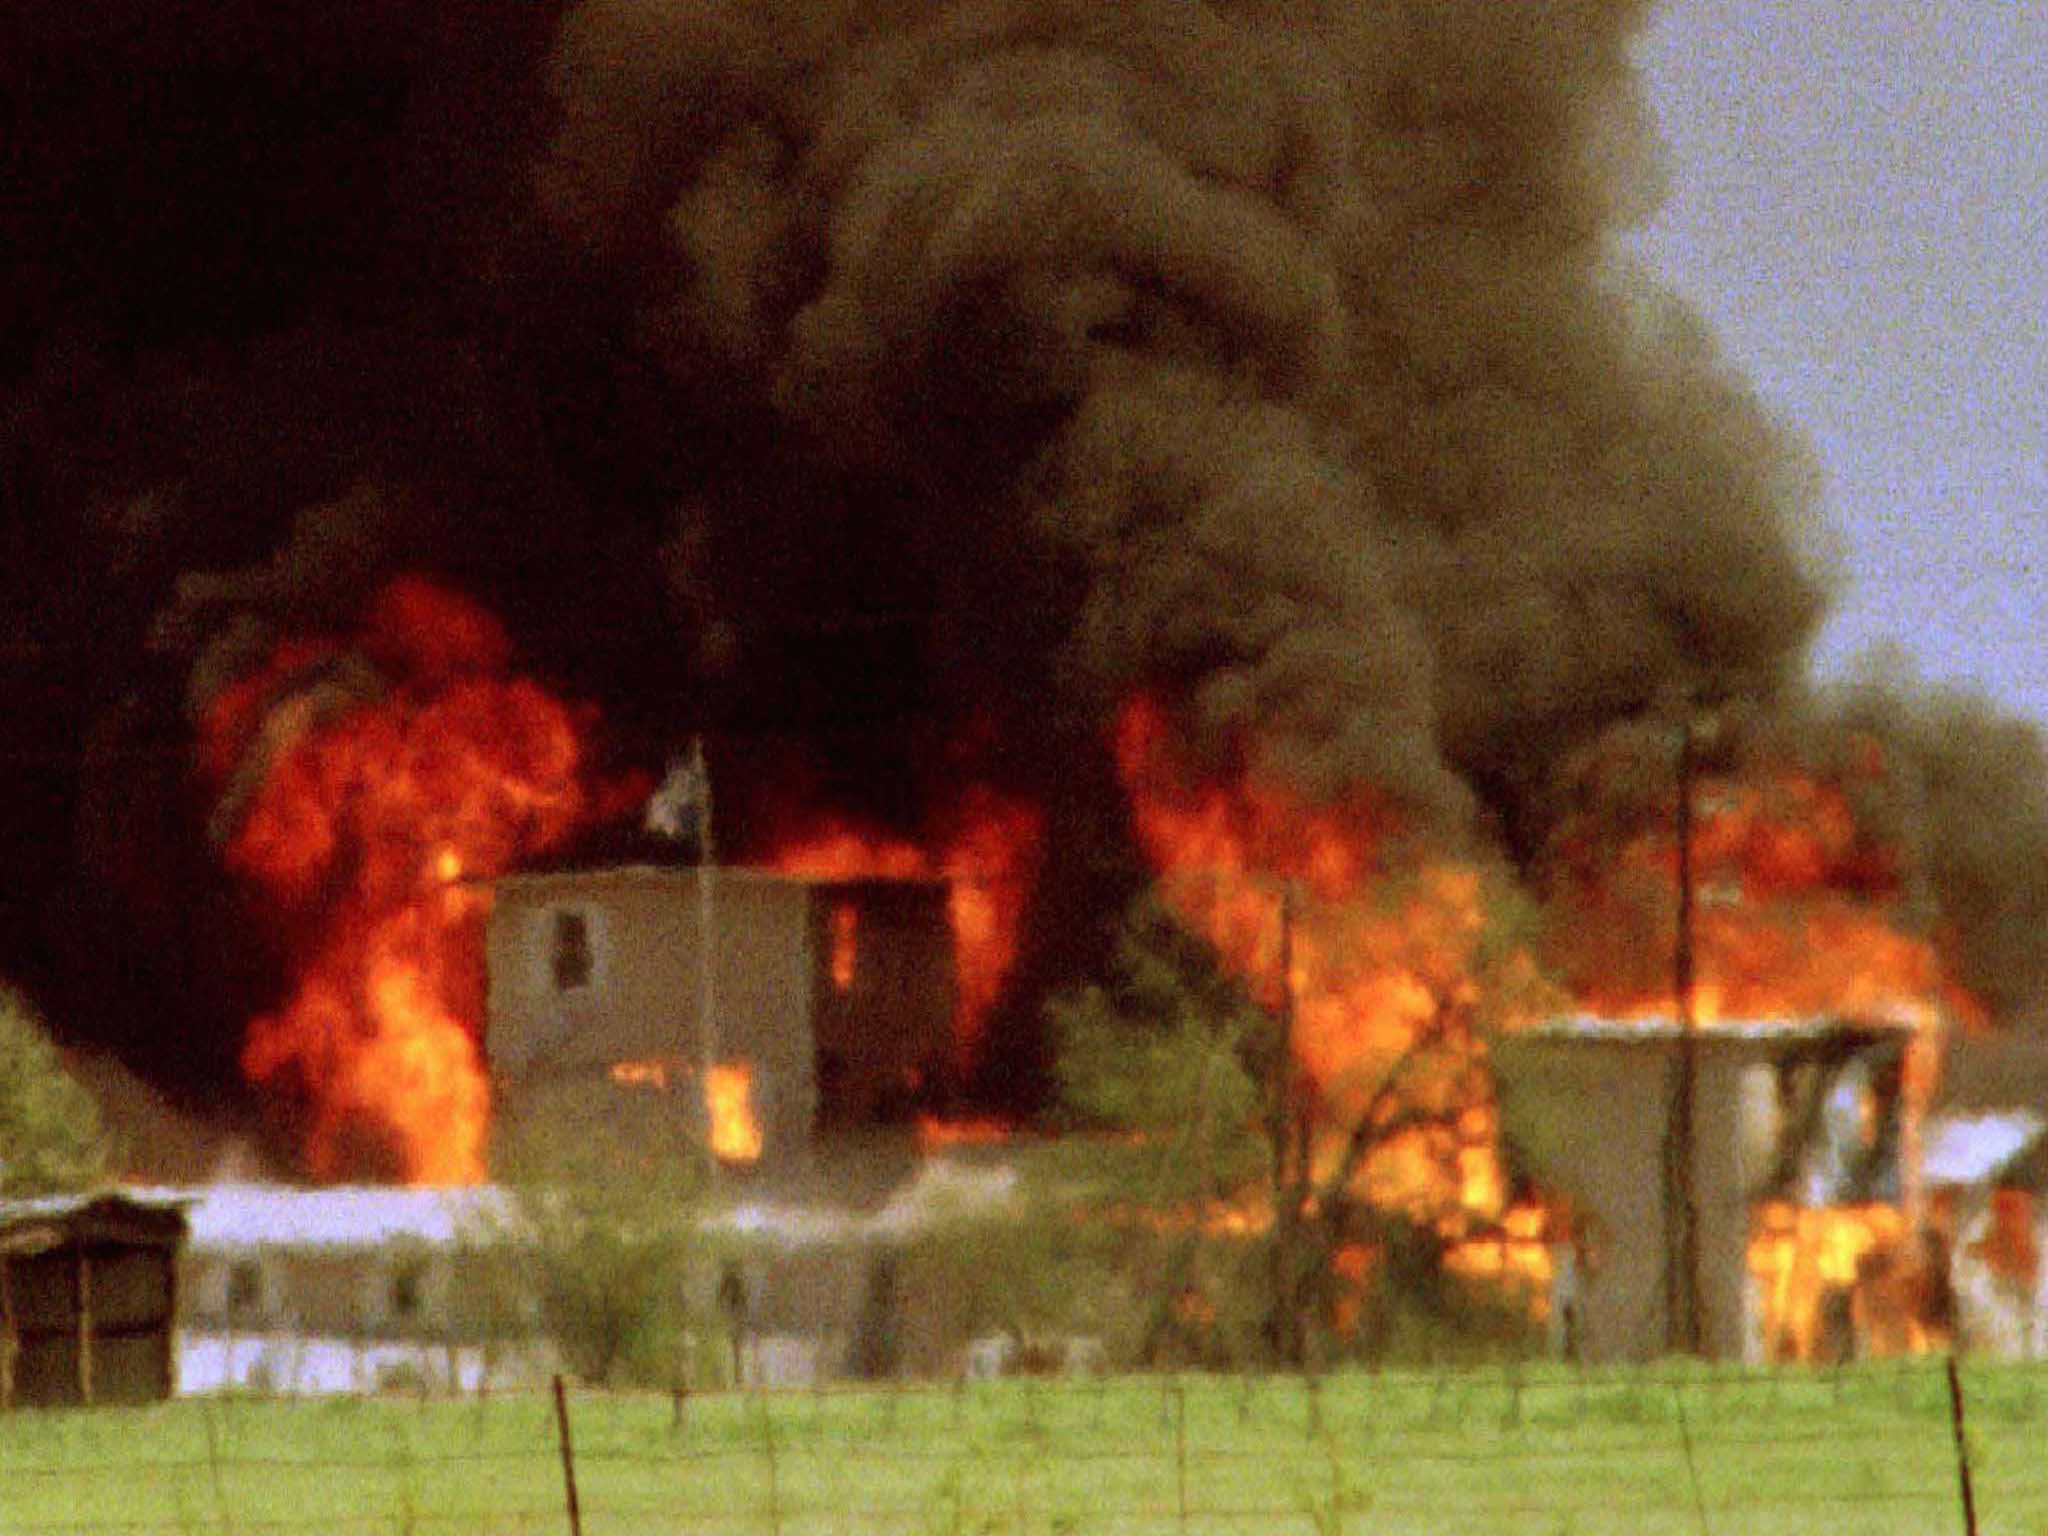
1864	1450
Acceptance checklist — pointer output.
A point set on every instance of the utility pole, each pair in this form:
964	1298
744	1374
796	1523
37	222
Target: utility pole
1684	1323
707	999
1287	1131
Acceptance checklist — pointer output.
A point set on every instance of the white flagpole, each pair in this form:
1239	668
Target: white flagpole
707	1002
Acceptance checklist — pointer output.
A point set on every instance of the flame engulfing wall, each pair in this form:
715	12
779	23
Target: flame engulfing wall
1377	962
988	859
882	375
378	801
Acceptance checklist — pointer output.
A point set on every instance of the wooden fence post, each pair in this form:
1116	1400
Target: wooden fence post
84	1282
1180	1451
7	1343
774	1470
1955	1418
220	1492
1692	1471
568	1457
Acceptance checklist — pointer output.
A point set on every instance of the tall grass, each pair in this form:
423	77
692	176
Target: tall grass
1541	1449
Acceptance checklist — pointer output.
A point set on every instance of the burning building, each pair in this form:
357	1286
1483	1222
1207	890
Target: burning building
761	1007
1794	1188
986	406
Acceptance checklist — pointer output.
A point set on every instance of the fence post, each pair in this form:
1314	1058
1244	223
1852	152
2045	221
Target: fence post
220	1496
1955	1418
568	1457
774	1468
1692	1471
1180	1452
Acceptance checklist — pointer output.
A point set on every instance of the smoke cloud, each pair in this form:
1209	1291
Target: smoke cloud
901	381
1284	346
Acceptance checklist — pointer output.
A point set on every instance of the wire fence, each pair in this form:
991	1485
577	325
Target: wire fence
1906	1447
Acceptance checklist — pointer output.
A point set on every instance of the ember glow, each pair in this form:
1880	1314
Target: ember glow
845	945
729	1103
988	857
657	1072
400	768
934	1134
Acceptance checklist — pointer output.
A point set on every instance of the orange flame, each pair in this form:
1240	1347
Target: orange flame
367	825
1797	912
1378	963
1834	1267
989	860
729	1101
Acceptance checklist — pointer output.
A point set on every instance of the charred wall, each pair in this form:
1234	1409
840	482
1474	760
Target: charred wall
598	1003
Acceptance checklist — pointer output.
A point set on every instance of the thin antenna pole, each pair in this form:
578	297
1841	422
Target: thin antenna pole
1284	1324
707	998
1685	1325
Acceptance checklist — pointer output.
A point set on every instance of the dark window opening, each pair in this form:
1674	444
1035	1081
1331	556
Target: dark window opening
245	1289
406	1288
571	951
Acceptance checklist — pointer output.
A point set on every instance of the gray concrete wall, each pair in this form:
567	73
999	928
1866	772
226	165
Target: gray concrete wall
1588	1119
1586	1116
846	1054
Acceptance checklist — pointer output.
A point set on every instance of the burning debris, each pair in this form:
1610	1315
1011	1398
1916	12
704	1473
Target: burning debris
1330	915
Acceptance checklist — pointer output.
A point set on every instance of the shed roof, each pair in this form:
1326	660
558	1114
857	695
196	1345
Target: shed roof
685	876
144	1218
227	1217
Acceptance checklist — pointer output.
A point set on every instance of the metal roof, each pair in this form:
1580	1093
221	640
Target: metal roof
225	1217
1974	1149
35	1223
1587	1026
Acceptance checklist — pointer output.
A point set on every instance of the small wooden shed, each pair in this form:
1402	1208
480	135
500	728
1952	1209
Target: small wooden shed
88	1299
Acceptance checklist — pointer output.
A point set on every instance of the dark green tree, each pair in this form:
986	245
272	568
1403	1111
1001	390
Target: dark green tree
609	1207
1241	1176
51	1138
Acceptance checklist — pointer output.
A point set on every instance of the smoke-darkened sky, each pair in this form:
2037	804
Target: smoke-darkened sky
1859	204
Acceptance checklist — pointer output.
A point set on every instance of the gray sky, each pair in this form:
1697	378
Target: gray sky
1859	203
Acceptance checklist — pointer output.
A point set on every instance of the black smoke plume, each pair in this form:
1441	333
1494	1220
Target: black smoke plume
870	384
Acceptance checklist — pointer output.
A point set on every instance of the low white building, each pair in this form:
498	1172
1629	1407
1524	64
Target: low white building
353	1290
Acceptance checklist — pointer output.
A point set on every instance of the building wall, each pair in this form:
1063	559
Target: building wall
882	995
375	1315
838	995
1589	1119
642	998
